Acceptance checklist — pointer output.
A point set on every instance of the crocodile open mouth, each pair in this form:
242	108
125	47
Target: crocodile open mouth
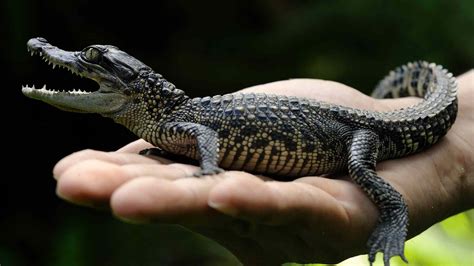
102	100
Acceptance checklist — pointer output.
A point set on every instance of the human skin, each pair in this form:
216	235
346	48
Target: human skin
266	222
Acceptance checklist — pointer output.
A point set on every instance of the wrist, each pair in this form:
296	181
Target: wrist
466	185
466	114
452	160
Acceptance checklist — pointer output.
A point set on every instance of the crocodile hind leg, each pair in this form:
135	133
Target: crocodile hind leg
390	234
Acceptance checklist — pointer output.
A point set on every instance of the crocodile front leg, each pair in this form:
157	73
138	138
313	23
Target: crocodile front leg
390	234
181	137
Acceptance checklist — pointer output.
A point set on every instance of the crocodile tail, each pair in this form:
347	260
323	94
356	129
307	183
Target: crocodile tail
417	79
422	124
432	82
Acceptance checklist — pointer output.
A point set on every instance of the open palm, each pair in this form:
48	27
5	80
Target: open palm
261	221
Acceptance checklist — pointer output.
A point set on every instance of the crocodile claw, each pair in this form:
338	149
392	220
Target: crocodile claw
209	171
388	239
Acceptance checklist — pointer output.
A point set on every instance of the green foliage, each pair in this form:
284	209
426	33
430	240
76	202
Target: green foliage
450	242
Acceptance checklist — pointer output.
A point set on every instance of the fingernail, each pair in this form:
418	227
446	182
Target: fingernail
224	208
134	220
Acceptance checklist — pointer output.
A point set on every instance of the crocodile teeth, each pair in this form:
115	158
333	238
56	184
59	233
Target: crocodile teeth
43	90
74	91
28	90
78	92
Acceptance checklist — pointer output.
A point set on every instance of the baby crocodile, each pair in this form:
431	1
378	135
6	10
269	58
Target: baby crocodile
268	134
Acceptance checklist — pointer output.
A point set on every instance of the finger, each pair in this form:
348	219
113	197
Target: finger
275	203
182	201
92	182
117	158
360	210
322	90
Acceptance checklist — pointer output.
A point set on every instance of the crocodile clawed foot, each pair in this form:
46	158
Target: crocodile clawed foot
388	239
209	171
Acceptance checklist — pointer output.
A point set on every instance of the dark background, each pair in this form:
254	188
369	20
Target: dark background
205	48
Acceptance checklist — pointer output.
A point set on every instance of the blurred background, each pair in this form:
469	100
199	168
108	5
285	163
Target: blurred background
205	48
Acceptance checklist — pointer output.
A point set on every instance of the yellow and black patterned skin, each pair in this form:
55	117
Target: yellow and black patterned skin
276	135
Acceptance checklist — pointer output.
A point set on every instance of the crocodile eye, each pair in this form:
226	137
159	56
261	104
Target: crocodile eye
92	54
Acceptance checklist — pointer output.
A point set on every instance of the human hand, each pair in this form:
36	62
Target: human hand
311	219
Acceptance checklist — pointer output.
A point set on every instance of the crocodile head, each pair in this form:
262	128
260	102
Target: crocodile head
115	71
